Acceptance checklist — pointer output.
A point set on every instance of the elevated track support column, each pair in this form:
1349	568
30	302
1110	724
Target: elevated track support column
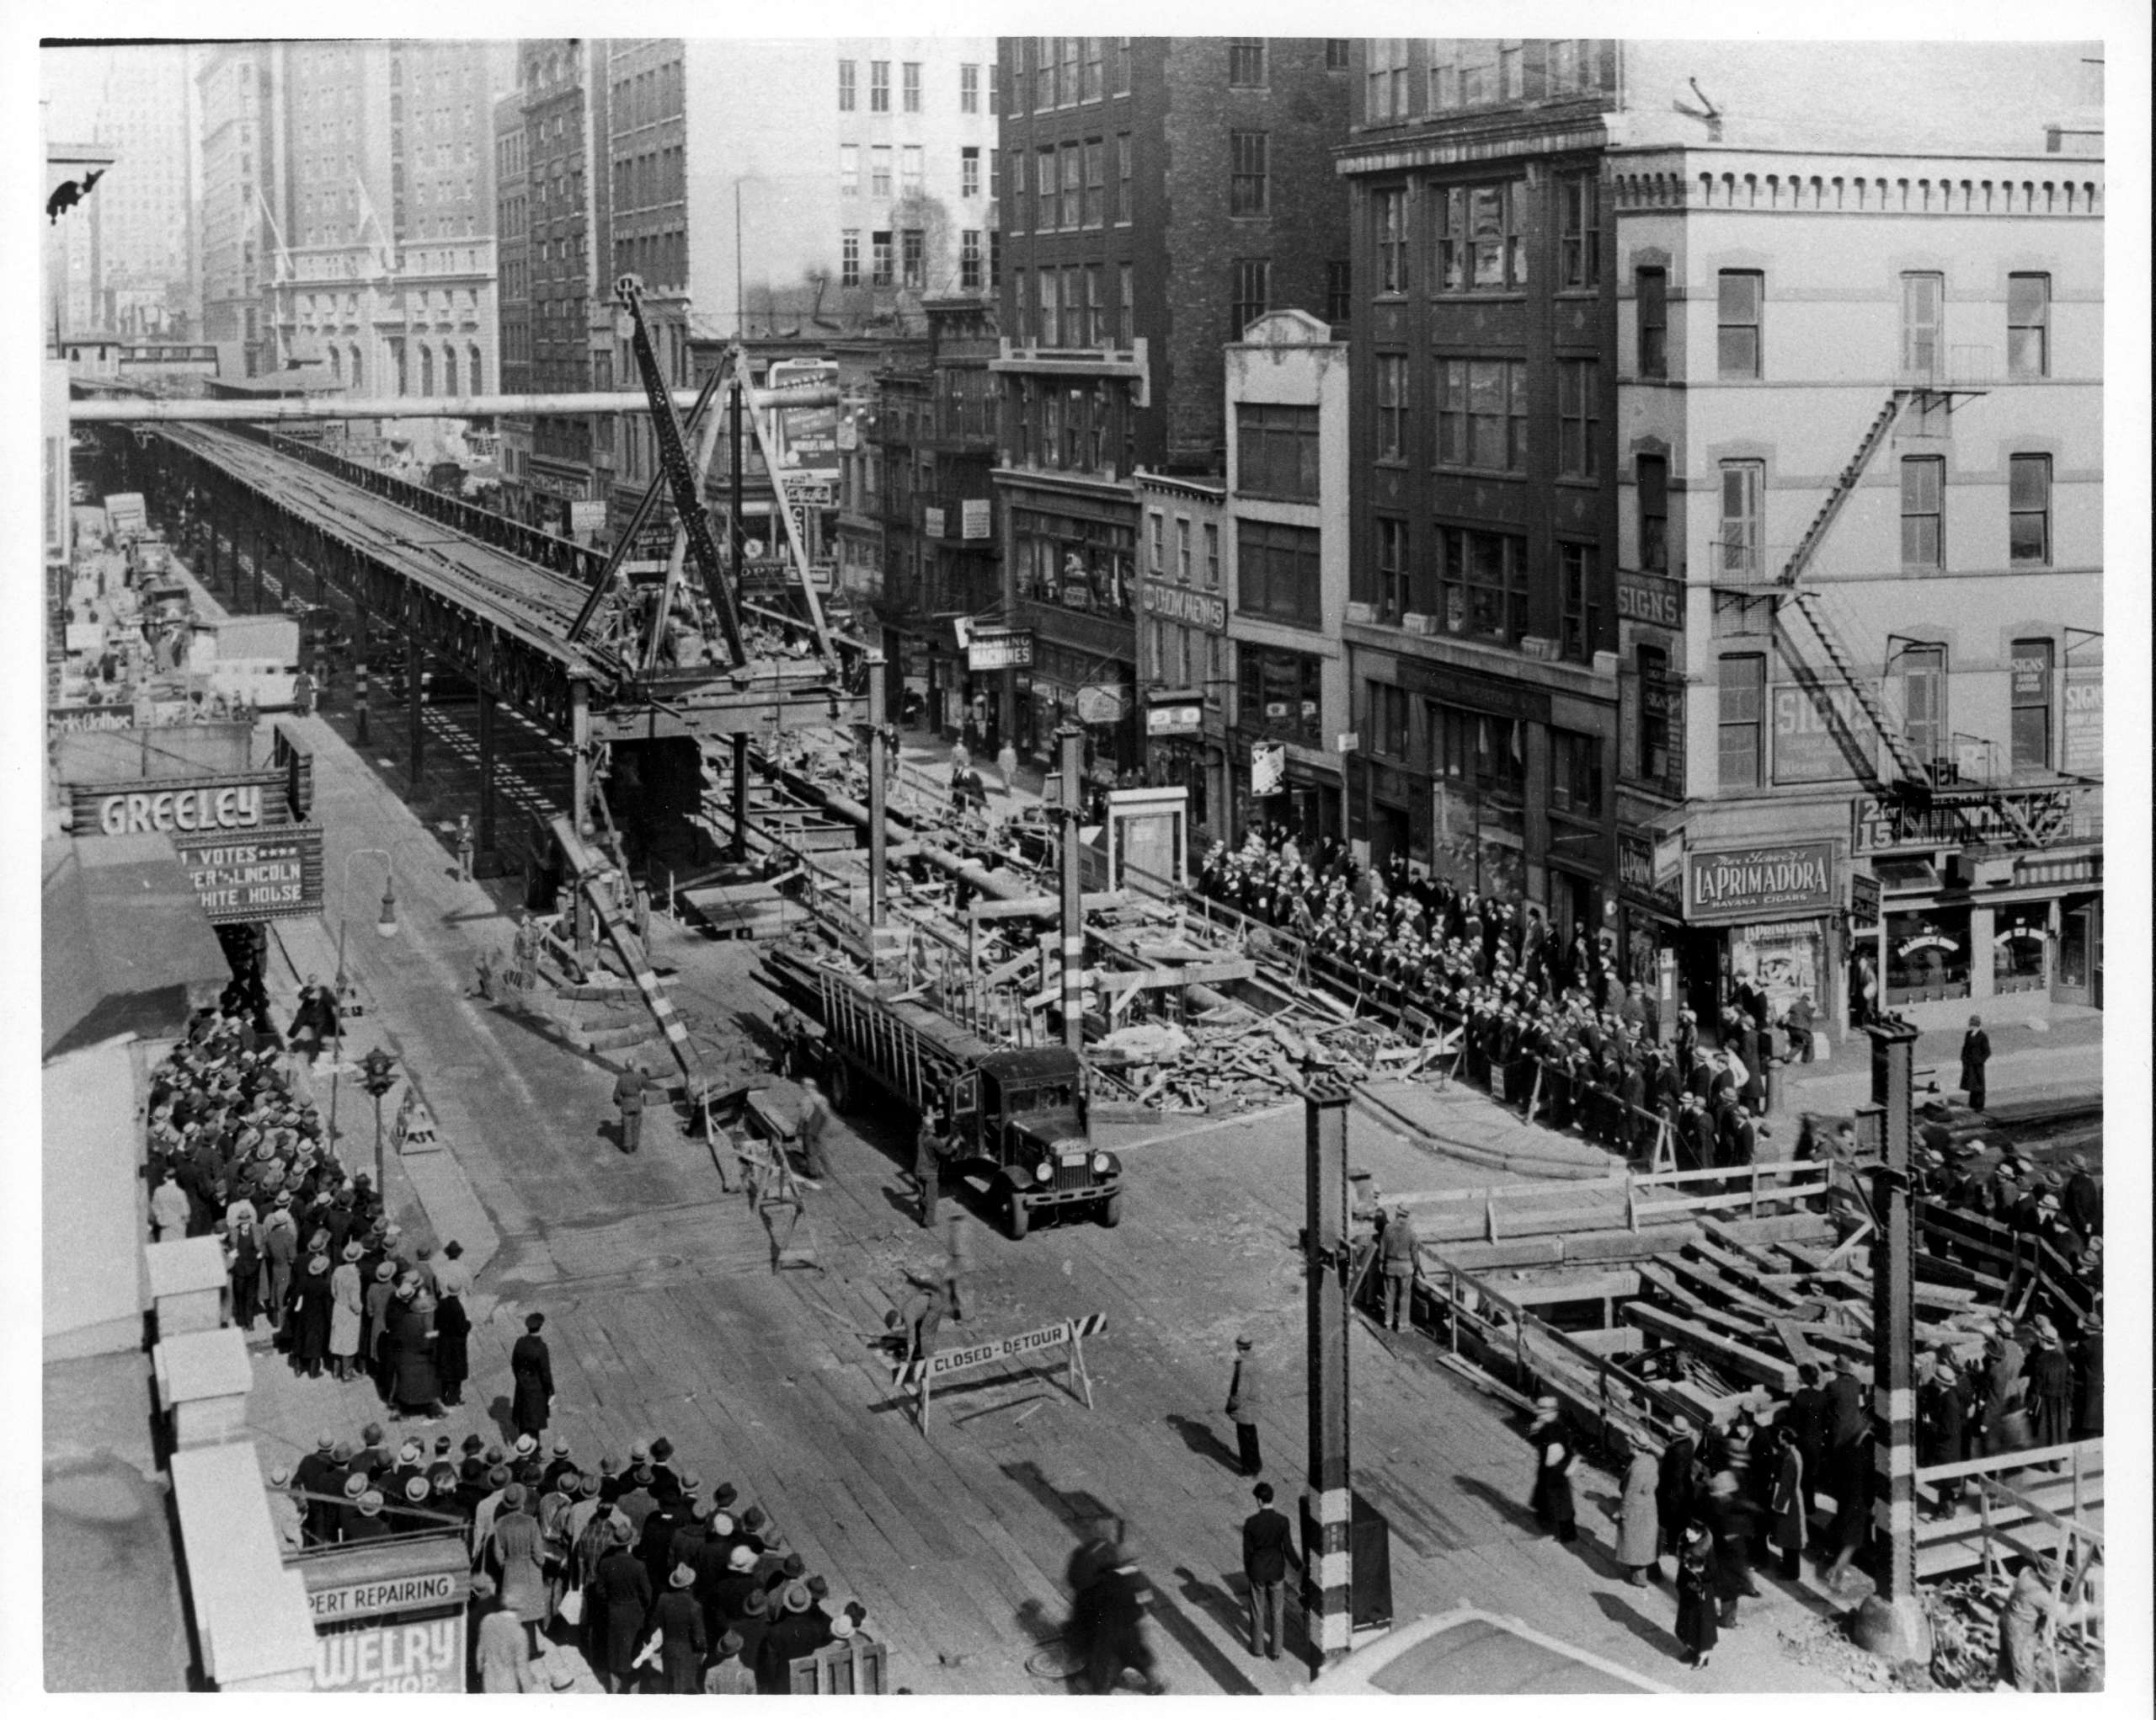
580	786
485	863
878	839
1070	752
415	711
1328	1505
739	851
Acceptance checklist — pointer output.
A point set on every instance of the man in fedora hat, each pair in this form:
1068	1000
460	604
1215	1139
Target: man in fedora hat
795	1633
1976	1054
1245	1398
678	1622
629	1088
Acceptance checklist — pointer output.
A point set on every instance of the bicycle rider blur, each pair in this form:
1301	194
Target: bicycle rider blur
1115	1603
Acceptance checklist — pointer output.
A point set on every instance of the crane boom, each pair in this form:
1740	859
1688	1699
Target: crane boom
680	475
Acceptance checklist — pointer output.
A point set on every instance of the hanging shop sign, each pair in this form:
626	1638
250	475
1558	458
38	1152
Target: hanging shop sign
2023	818
215	803
974	519
1100	704
999	648
275	875
1864	899
1268	768
390	1615
1169	715
1649	598
1783	879
2084	727
1178	603
1639	875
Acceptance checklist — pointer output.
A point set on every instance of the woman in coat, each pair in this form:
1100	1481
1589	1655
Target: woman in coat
680	1623
1639	1522
1552	1498
418	1391
1787	1523
310	1318
452	1351
1696	1603
516	1559
344	1313
2050	1378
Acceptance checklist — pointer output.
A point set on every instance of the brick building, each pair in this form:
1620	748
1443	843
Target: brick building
513	295
1158	195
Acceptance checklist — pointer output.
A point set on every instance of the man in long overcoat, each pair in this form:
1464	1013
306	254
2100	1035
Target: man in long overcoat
1976	1054
1639	1520
533	1369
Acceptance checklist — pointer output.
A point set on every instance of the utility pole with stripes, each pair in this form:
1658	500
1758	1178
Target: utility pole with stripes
1328	1505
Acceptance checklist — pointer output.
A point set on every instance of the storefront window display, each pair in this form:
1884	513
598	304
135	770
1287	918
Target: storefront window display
1478	841
1782	959
1081	564
2021	949
1927	955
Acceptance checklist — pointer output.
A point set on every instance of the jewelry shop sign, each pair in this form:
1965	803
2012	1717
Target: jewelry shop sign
1773	880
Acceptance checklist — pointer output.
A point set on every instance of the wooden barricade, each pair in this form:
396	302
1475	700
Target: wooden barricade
855	1667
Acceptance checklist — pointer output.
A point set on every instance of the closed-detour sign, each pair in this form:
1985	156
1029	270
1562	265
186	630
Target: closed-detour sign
943	1365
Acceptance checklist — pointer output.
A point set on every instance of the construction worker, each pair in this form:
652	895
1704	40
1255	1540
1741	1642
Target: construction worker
629	1096
958	1262
913	1324
466	845
928	1164
814	1114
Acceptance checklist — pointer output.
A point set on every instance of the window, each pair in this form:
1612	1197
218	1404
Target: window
1924	699
1579	247
1576	773
1739	299
1480	246
1335	53
1246	183
1212	556
1650	291
1182	550
1096	182
849	170
1392	593
1051	321
1389	221
1122	86
969	171
1392	406
1385	707
1578	416
1385	85
1741	707
879	86
995	258
1156	543
1253	283
1742	483
970	260
1126	308
1245	62
1482	577
1579	617
1097	310
1073	175
1339	292
1652	661
880	259
1123	180
2029	510
909	257
910	170
969	90
1277	572
1924	489
2032	705
1482	414
1090	90
1276	451
1277	694
2028	325
1652	473
879	170
910	86
845	87
1924	301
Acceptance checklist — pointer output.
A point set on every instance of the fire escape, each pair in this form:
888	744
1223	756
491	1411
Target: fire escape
1810	633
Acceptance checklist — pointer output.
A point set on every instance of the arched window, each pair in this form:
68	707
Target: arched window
472	353
449	370
426	372
359	378
336	365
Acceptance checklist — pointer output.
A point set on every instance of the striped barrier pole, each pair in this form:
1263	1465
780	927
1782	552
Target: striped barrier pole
1327	1506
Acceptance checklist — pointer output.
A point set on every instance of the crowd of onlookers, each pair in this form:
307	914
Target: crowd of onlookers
663	1584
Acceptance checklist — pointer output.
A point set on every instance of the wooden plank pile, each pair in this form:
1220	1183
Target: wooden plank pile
1232	1060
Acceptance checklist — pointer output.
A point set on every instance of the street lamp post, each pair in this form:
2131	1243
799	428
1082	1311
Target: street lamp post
386	925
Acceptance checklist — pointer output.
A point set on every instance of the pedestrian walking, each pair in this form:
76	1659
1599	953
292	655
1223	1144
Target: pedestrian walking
628	1099
1639	1519
958	1262
1696	1610
1122	1596
1268	1550
1791	1502
532	1369
503	1654
796	1632
928	1164
1396	1256
815	1115
344	1313
726	1675
1976	1054
515	1558
1552	1496
1246	1397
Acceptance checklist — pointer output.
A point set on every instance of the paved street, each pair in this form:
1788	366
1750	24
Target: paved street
665	1317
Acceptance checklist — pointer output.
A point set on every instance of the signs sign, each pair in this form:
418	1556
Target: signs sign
1649	598
1782	879
275	875
1638	872
921	1375
974	519
1176	717
1178	603
932	520
2083	753
407	1593
999	648
1806	750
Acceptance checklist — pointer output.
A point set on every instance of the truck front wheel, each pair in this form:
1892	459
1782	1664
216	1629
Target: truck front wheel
1015	1217
1111	1211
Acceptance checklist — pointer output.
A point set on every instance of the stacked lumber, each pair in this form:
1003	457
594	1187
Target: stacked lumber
1228	1060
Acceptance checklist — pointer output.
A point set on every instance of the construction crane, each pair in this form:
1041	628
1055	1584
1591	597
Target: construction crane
678	475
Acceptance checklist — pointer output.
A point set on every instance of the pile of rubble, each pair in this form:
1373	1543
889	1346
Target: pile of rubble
1228	1060
1964	1613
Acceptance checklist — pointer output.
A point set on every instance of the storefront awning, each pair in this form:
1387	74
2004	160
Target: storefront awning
1906	876
127	946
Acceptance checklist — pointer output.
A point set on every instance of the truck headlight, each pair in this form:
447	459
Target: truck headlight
1044	1171
1100	1164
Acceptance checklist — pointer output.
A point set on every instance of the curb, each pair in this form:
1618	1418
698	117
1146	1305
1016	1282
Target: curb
1520	1164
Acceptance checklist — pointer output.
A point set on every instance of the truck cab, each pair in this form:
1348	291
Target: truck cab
1021	1117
